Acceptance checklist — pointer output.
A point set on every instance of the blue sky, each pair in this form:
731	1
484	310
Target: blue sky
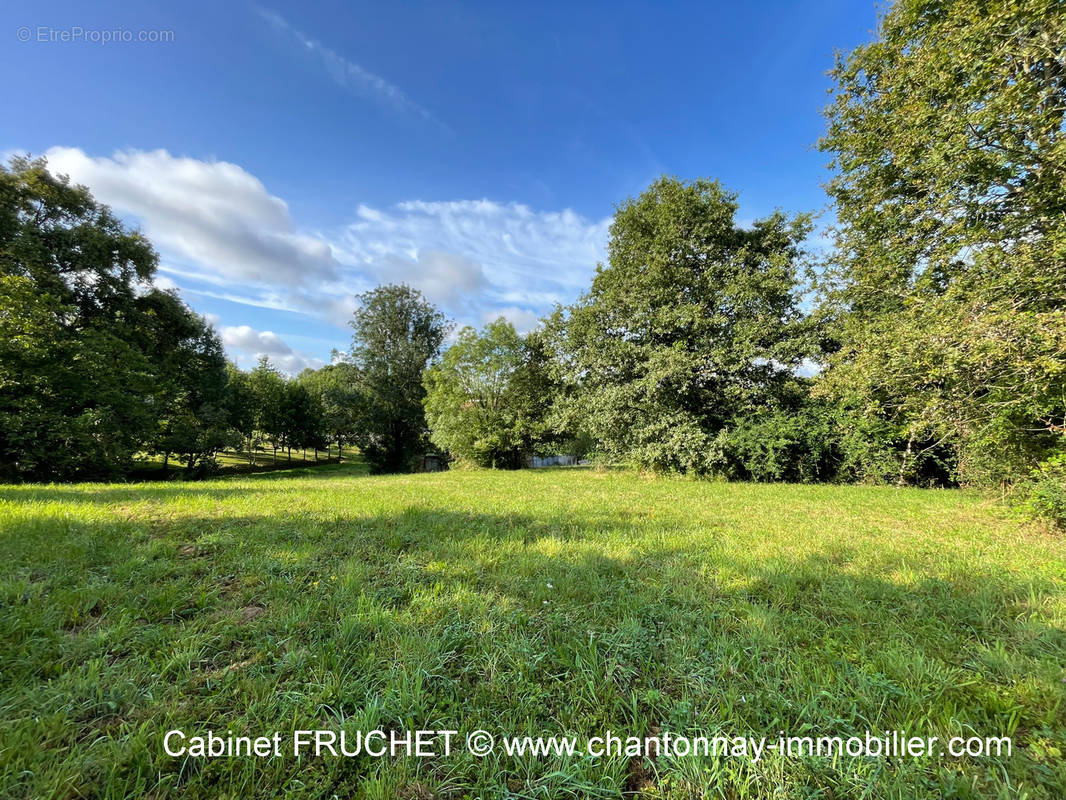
284	156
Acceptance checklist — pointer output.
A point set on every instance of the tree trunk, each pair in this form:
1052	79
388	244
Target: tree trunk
290	453
906	456
166	461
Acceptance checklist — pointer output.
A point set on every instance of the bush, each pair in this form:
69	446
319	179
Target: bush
800	446
1047	492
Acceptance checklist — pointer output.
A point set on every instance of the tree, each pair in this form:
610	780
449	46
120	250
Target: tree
74	383
948	286
692	323
335	389
268	390
794	438
241	406
487	400
189	395
301	418
397	333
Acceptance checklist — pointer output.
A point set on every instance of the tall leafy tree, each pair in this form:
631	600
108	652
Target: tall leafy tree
241	406
949	281
335	389
692	323
74	382
397	333
488	399
268	392
301	416
189	394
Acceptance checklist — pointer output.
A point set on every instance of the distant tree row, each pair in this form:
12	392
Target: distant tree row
98	366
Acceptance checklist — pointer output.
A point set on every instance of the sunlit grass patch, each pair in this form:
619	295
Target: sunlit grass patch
540	602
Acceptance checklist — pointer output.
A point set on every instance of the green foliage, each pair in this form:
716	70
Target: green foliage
96	365
240	401
335	387
71	247
1047	491
948	286
488	398
190	399
397	333
795	439
302	414
74	382
692	325
67	402
268	392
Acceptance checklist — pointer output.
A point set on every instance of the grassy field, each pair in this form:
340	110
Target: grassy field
236	461
564	601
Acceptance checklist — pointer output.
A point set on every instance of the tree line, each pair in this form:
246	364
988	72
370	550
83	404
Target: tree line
927	347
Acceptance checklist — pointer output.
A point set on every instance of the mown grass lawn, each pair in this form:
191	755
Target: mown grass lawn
535	602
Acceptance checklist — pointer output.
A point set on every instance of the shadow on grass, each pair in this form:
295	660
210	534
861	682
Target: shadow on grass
622	630
217	487
148	473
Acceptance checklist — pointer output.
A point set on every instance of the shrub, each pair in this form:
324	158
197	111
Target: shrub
1047	491
799	445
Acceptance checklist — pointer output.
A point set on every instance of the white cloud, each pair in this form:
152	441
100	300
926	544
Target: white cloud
245	337
222	235
523	319
477	256
296	363
207	214
250	344
443	277
164	283
346	73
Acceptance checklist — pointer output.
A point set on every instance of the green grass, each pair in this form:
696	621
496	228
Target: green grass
236	461
549	601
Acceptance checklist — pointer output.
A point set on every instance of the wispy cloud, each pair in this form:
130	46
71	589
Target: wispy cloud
222	235
209	217
477	258
346	73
